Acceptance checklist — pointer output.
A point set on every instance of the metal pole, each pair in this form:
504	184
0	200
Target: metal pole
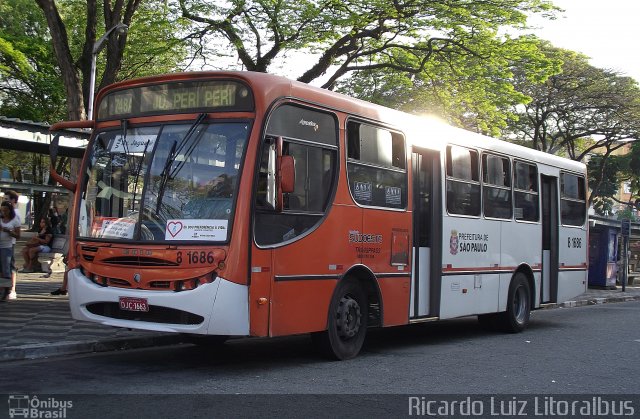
625	265
92	85
97	47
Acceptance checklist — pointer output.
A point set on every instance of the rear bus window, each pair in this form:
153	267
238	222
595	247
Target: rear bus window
573	206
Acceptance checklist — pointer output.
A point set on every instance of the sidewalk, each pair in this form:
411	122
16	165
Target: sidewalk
39	325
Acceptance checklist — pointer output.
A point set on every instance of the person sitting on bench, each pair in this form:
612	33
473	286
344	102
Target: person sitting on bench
38	244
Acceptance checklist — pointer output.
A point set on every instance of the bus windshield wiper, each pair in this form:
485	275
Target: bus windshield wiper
176	148
137	171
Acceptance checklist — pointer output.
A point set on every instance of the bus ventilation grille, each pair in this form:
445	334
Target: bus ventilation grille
156	314
139	261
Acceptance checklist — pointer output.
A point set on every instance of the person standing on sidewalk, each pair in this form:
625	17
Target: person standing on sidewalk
9	229
12	197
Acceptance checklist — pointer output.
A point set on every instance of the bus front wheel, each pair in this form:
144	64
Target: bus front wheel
347	323
516	318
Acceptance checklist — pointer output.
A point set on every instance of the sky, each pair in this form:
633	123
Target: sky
607	31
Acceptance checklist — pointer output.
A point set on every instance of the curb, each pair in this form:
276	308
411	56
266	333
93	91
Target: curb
49	349
591	302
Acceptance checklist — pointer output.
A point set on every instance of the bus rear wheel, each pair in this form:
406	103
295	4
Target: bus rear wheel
516	318
347	323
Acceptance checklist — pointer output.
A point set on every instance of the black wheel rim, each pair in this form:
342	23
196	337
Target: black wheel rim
348	318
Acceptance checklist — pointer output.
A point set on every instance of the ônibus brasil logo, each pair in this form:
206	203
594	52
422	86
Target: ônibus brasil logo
23	406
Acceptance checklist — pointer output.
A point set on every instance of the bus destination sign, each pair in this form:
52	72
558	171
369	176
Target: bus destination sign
176	97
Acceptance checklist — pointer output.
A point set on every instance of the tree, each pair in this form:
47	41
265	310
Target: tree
580	102
30	86
45	61
604	175
73	29
471	92
340	37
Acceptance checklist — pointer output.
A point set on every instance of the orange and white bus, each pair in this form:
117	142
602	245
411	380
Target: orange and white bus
246	204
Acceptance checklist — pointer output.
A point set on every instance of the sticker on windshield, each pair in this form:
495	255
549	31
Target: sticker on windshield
136	144
196	230
121	228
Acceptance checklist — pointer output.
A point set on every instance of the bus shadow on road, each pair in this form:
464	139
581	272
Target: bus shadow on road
300	349
252	354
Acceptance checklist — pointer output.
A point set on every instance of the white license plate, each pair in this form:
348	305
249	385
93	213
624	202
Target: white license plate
134	304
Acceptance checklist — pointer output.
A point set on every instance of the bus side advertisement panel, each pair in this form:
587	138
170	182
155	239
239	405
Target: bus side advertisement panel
471	261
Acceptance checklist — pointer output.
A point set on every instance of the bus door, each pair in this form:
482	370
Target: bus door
549	291
427	234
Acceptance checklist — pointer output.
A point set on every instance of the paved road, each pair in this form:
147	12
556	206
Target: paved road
594	349
591	351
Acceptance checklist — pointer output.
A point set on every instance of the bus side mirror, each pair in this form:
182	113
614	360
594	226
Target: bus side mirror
54	148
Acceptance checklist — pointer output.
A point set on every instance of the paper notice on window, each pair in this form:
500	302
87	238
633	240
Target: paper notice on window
393	195
196	230
363	191
121	228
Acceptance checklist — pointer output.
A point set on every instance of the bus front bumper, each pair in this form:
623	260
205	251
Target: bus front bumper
218	308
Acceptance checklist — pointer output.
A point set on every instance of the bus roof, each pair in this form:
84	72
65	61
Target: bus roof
437	133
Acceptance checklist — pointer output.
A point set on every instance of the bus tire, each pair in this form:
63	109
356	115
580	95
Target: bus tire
516	318
347	322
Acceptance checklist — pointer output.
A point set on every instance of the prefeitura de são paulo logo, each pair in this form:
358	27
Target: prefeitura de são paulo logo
24	406
453	243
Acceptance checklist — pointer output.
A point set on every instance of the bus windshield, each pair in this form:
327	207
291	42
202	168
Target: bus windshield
163	183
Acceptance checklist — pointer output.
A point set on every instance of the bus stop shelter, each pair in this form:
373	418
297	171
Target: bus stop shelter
606	255
34	137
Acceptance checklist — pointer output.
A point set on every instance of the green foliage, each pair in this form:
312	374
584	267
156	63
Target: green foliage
626	214
30	86
474	92
31	79
339	37
606	173
580	102
18	163
154	43
604	178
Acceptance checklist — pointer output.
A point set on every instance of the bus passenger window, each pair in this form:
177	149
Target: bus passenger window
496	177
463	184
376	166
525	193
